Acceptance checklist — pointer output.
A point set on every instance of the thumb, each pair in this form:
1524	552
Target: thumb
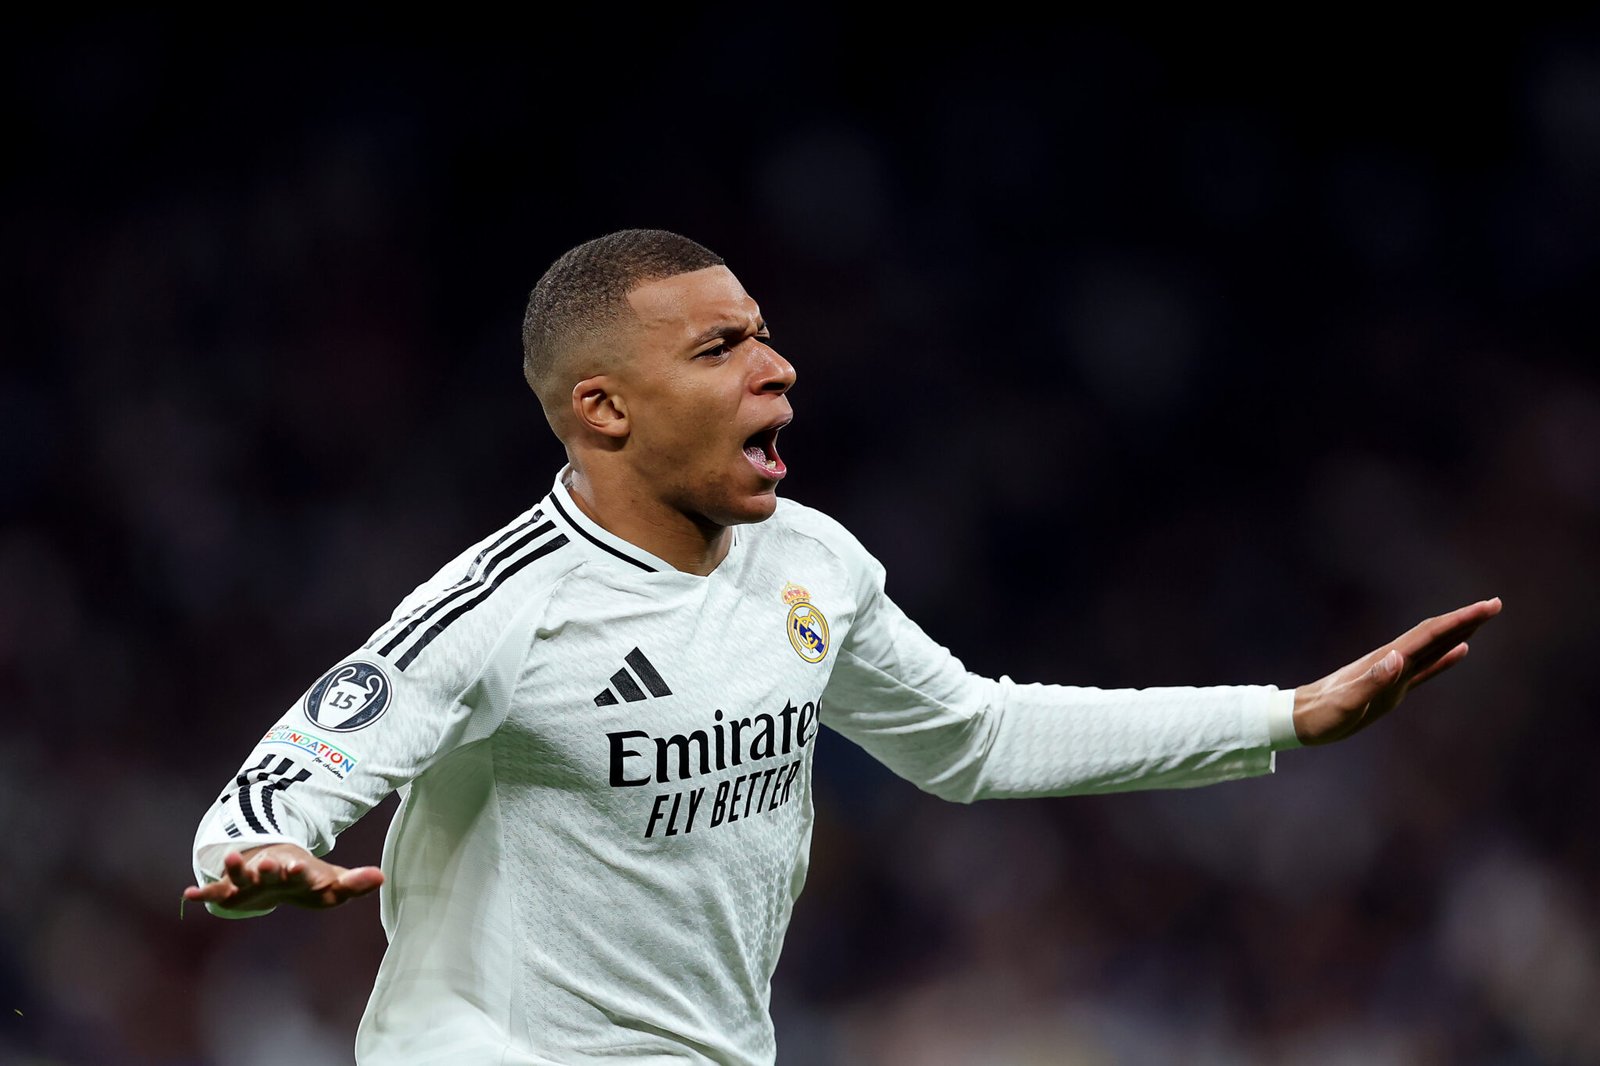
1385	670
361	880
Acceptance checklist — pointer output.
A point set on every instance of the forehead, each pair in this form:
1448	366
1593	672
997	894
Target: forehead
682	308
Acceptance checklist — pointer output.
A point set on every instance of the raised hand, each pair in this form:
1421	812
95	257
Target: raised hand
264	877
1353	697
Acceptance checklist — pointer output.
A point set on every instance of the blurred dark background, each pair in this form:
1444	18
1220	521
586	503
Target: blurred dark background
1141	352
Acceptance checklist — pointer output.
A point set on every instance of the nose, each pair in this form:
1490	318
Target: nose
773	373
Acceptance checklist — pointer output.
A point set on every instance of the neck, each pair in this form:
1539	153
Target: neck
690	545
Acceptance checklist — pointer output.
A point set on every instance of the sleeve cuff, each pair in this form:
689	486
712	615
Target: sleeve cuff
208	856
1280	721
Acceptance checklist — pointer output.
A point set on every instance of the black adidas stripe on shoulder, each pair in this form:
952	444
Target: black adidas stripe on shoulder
473	572
475	578
465	597
602	545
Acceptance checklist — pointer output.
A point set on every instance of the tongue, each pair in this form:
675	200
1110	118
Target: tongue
755	453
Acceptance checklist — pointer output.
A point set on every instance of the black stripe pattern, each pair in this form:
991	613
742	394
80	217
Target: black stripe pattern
473	574
278	786
464	587
647	673
623	683
489	569
483	592
591	538
257	784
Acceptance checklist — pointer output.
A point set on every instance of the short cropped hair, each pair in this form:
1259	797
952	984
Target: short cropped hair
585	291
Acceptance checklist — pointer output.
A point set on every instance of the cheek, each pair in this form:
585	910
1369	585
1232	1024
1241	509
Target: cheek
684	433
694	420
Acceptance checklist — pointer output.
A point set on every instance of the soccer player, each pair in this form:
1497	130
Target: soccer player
602	717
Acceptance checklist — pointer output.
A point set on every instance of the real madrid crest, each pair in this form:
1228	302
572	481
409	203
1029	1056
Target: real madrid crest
808	629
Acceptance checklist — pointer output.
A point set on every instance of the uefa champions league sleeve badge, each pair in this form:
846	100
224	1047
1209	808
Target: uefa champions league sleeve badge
351	696
808	629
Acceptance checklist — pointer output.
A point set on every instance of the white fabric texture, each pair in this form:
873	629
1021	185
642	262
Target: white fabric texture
605	769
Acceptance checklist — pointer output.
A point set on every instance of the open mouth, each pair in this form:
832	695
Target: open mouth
761	448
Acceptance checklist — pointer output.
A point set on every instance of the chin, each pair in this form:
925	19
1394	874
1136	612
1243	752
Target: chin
719	500
743	509
757	508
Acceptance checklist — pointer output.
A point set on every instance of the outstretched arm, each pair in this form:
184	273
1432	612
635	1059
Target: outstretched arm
261	878
378	719
1354	696
913	706
314	773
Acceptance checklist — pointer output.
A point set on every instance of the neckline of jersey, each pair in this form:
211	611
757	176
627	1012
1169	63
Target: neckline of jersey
614	548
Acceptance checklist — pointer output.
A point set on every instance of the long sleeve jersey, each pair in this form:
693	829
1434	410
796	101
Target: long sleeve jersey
605	772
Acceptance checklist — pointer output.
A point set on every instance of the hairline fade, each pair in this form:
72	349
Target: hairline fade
585	291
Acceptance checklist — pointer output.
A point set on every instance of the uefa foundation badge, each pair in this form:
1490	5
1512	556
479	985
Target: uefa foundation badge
808	629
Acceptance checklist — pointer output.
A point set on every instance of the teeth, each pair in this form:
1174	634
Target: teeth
759	456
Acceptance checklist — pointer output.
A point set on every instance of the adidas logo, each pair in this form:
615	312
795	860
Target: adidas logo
623	682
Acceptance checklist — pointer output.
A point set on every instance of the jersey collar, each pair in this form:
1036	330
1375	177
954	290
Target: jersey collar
604	540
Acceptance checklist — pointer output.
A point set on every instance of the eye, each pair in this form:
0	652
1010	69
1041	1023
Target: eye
725	349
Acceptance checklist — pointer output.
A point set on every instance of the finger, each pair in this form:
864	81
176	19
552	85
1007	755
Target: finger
268	870
1462	620
1437	631
310	876
1427	647
1435	651
360	881
344	885
238	871
1481	611
1446	661
215	892
1472	614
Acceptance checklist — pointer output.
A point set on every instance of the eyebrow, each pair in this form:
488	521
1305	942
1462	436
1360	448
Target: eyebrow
728	329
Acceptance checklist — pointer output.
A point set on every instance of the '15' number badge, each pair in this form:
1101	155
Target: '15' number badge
349	697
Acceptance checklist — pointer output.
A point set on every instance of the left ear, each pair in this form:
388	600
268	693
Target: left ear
598	405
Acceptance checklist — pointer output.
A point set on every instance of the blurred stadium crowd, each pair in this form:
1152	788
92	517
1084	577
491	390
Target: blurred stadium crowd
1138	357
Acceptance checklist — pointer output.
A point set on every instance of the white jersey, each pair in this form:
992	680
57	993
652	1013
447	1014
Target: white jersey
605	769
